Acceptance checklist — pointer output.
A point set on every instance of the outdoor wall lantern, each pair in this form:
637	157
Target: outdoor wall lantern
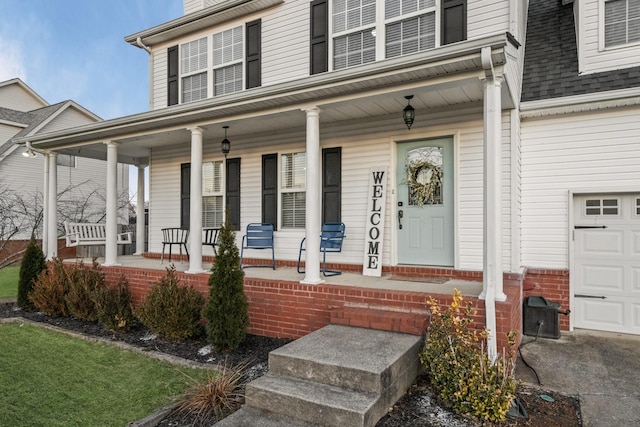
408	114
29	153
225	145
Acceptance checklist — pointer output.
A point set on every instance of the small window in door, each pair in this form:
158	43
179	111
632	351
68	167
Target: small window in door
595	207
424	176
637	206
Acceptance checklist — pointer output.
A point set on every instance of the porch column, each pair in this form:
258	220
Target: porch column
195	206
45	206
313	199
52	209
111	226
140	236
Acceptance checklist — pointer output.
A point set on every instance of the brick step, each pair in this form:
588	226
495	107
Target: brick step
380	319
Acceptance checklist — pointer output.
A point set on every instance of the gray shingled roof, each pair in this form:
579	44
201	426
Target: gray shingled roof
551	57
31	118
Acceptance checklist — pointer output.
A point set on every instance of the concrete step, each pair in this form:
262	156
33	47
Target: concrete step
249	417
314	403
366	360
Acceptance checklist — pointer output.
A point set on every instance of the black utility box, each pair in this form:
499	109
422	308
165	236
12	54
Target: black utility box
540	317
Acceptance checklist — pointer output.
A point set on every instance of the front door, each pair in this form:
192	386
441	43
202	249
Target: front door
425	202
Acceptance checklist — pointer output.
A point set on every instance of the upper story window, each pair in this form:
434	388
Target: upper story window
193	68
363	31
233	63
621	22
227	61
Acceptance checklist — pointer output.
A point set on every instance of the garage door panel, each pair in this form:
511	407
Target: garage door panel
606	312
602	242
601	279
635	248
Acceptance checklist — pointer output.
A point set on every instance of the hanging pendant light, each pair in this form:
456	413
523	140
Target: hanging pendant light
225	145
408	114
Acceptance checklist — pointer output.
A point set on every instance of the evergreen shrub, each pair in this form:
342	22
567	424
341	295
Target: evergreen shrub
459	367
50	288
226	310
32	264
83	284
172	310
113	306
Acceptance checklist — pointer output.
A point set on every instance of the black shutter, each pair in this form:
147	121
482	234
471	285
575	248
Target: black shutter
454	21
233	192
254	72
332	184
172	75
270	189
319	37
185	194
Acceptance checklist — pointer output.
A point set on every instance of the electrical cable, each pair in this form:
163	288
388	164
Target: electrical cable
540	323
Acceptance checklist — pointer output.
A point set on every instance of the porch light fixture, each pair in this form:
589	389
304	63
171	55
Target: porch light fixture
29	153
225	145
408	114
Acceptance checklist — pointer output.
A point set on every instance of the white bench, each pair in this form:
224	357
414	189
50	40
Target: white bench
84	233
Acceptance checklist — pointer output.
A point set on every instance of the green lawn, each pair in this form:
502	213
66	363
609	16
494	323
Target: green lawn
9	282
51	379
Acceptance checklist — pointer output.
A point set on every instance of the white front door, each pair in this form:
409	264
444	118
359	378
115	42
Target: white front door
606	267
425	202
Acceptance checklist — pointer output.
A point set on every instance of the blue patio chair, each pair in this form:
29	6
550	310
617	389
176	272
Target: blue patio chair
258	236
331	239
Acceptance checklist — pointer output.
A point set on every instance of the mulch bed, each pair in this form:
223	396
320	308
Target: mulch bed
420	407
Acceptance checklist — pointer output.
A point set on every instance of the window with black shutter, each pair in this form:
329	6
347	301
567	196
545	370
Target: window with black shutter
270	189
454	21
253	53
319	37
332	184
172	75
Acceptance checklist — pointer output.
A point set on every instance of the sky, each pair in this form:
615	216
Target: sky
75	49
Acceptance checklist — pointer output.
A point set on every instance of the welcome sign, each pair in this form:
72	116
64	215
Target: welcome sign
377	196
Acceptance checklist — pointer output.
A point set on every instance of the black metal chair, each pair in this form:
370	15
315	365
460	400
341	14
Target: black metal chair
211	238
331	239
174	236
258	236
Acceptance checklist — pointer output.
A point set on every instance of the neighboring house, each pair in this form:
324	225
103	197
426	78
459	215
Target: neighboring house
80	180
484	184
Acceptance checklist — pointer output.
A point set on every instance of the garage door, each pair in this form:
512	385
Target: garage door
606	269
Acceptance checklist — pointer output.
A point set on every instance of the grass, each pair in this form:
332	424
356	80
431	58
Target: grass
9	282
49	378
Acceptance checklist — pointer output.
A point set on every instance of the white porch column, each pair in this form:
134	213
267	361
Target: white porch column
313	199
52	209
111	227
195	217
45	206
140	212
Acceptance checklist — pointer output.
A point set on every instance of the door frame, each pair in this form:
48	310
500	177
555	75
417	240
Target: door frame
454	134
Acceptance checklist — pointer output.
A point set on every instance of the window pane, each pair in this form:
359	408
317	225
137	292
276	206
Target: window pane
212	211
354	49
227	46
212	177
228	80
194	55
194	87
294	174
350	14
293	210
411	35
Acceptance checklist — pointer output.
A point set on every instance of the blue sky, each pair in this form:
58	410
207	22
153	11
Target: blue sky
75	49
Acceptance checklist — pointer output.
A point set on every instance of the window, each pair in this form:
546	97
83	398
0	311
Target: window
212	194
293	189
193	66
621	22
66	160
227	61
353	27
409	29
601	207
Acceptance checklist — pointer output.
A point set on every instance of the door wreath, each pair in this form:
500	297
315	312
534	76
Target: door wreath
425	181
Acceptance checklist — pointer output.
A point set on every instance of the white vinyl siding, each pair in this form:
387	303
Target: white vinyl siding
487	17
585	153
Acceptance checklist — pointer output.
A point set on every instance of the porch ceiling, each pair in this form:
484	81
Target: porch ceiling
444	79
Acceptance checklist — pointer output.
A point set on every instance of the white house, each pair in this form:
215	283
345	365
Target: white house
485	183
80	181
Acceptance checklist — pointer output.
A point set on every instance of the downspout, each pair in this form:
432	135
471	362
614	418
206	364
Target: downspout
141	45
489	290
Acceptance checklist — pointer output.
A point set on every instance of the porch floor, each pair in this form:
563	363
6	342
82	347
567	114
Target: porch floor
427	285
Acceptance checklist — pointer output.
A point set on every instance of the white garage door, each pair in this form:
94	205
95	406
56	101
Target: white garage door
606	272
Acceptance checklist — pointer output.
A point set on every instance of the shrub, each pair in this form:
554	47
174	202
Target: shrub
459	367
170	309
81	289
226	311
31	265
113	306
220	395
49	290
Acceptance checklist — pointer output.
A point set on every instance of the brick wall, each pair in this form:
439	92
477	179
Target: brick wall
552	285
